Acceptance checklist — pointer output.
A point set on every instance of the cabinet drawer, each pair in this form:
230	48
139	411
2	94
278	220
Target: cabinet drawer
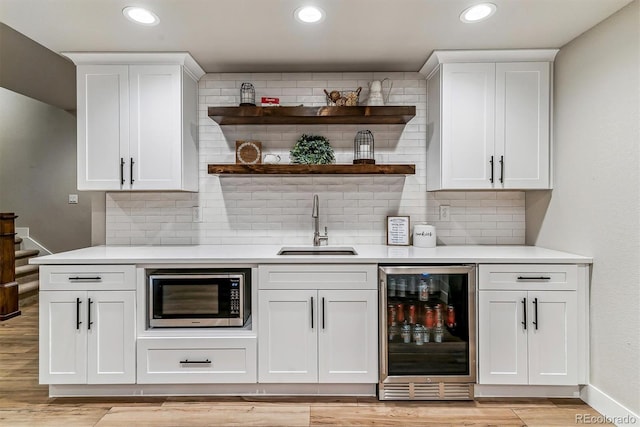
87	277
313	276
197	360
527	277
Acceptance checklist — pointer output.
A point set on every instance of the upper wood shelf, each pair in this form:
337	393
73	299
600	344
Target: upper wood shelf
274	169
388	115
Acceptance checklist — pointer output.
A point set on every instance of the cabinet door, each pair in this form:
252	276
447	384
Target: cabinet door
103	125
348	336
502	337
553	346
468	98
288	341
156	131
522	125
63	337
111	337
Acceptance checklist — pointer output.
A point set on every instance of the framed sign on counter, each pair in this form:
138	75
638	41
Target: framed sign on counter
398	230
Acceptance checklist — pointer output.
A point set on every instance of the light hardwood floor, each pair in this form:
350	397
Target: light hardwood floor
23	402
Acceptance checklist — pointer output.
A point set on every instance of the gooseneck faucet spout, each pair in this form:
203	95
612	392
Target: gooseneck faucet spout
315	214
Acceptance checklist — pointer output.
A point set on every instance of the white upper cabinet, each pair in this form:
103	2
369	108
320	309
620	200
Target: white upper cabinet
488	119
137	121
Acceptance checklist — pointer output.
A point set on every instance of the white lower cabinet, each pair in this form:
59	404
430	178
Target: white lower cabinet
196	360
527	325
326	333
87	337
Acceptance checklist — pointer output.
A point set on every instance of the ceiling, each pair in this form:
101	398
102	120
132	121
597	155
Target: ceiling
263	36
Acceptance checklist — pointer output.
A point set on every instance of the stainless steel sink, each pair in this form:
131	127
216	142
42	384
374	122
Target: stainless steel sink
317	250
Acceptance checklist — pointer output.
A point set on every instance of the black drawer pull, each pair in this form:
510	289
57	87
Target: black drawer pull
85	279
534	278
524	313
195	362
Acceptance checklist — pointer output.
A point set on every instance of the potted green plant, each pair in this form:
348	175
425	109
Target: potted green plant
312	150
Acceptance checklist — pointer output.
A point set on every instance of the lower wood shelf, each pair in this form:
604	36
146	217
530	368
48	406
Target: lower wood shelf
271	169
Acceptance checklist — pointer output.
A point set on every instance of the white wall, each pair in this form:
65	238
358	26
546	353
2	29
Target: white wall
594	209
277	210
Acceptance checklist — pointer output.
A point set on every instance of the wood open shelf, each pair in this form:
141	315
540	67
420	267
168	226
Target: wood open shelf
271	169
387	115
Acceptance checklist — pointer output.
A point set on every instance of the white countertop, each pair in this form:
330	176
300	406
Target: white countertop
267	254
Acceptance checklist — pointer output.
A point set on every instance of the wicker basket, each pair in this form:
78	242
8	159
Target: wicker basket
343	97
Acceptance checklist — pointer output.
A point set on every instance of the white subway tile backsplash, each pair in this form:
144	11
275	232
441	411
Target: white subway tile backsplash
277	210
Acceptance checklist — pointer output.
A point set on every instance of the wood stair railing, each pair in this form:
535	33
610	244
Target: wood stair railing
9	298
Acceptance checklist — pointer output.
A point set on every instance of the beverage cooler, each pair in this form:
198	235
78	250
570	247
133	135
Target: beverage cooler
427	332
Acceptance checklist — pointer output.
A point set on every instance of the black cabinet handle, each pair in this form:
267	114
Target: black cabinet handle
501	169
534	278
89	322
131	171
535	312
195	362
121	171
85	279
524	311
78	322
311	312
323	313
491	163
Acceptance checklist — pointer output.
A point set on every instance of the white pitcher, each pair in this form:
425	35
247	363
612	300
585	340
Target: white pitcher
375	93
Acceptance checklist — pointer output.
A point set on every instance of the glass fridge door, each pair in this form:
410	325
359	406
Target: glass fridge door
430	326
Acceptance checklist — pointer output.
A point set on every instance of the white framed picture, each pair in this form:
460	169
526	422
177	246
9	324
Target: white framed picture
398	230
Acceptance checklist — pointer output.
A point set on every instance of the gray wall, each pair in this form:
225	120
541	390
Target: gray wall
594	208
38	172
29	68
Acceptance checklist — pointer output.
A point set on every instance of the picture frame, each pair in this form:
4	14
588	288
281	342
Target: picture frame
398	230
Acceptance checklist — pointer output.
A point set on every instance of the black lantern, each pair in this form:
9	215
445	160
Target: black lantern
363	148
247	95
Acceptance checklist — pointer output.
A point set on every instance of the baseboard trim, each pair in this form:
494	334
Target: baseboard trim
484	390
611	410
68	390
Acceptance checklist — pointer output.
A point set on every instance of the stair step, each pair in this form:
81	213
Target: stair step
28	288
25	253
17	242
26	273
23	256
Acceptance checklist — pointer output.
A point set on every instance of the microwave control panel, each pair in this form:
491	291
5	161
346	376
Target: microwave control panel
234	299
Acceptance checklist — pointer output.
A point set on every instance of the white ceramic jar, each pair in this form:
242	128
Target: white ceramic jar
424	235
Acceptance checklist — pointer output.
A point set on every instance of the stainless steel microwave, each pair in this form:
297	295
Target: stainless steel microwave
190	298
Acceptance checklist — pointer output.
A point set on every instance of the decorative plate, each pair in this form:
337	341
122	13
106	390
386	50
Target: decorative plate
248	152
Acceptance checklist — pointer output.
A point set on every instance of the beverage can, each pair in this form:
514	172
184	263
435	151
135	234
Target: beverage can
429	317
401	287
418	334
392	314
426	334
437	336
405	332
451	317
412	287
412	314
400	312
423	290
439	320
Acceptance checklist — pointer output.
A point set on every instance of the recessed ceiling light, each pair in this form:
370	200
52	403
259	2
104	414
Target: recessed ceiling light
309	14
140	15
478	12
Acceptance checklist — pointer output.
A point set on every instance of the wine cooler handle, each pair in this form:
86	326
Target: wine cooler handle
323	313
524	311
535	312
311	312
